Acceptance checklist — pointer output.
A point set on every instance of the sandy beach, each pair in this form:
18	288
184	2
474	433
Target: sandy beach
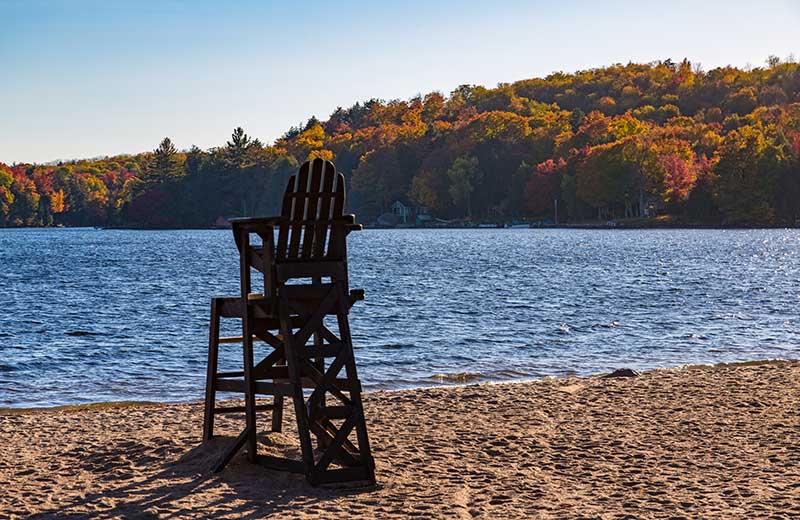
719	442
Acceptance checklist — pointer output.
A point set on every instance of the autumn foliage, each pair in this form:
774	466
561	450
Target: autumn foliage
633	140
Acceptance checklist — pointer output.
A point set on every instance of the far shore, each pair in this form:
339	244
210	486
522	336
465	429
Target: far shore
686	442
590	225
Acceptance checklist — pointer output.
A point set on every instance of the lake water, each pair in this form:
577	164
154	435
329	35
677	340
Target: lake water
98	315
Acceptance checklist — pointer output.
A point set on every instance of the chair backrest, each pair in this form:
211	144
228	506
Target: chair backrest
314	197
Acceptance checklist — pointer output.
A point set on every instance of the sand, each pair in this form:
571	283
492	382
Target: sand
721	442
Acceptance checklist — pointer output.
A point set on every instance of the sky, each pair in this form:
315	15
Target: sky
84	79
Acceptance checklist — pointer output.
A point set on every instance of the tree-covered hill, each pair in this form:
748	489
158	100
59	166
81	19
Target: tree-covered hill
720	147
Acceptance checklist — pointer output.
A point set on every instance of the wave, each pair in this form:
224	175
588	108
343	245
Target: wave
468	377
460	377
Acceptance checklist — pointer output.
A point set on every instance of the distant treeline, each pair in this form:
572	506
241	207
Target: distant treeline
721	146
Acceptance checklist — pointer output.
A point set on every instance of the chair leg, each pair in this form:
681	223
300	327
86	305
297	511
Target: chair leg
323	441
295	380
211	373
277	413
319	363
249	384
355	393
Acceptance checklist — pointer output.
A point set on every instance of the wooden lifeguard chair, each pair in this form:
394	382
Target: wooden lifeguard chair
311	362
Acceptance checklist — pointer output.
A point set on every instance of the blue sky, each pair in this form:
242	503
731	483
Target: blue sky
83	79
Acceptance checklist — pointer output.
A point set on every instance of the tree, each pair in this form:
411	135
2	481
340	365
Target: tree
464	176
516	189
746	173
711	145
236	154
700	204
6	196
380	177
606	179
544	186
243	169
164	166
23	210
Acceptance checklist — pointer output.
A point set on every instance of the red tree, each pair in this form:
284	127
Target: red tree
543	186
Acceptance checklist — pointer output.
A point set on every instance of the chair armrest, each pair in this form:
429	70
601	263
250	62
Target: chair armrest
348	222
263	226
255	223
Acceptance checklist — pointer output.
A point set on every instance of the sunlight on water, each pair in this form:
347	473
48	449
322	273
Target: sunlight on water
94	315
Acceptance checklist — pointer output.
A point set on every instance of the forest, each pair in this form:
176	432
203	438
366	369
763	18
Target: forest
663	140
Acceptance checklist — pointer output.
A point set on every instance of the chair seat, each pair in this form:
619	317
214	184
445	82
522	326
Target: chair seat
263	306
231	306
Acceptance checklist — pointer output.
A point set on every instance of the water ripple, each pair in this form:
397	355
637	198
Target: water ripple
92	315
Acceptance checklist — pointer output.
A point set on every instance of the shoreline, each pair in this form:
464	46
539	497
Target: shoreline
99	405
589	225
718	442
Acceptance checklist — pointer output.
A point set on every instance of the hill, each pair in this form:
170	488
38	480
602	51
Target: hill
664	138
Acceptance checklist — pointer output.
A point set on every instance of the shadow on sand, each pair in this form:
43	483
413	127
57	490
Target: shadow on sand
184	485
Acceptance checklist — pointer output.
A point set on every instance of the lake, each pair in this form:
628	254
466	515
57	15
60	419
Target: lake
100	315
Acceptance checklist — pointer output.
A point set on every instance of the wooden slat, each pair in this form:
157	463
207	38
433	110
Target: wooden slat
323	228
337	412
349	455
230	385
342	384
336	444
321	351
322	195
262	388
310	212
230	374
211	371
298	209
233	450
232	308
289	270
280	463
348	447
354	474
337	233
258	337
276	357
327	383
338	201
274	372
307	292
241	409
328	425
315	320
254	257
315	375
284	389
286	213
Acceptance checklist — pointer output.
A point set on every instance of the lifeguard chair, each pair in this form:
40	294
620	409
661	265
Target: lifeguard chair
311	362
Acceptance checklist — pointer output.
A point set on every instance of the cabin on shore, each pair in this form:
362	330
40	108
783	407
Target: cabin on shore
409	214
